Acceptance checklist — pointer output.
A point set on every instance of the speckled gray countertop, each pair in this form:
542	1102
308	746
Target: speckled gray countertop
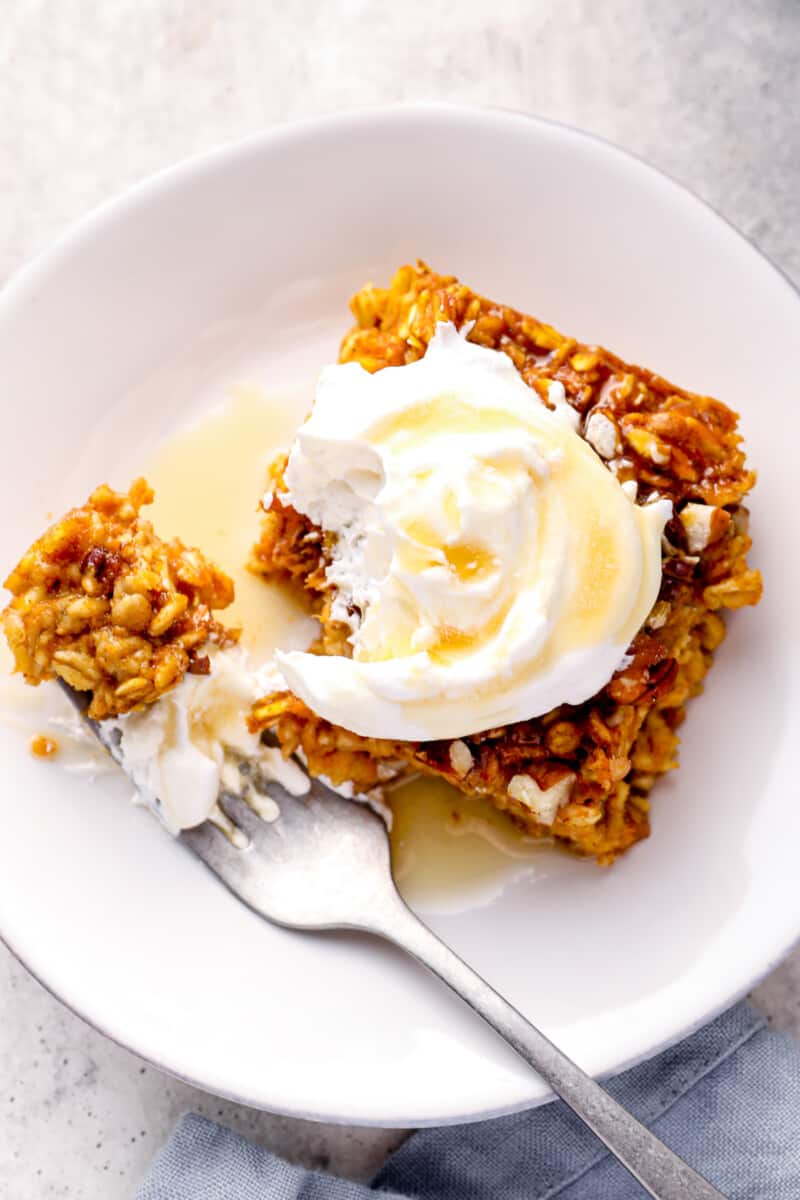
94	97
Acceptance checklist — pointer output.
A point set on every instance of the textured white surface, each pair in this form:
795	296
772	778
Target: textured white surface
94	98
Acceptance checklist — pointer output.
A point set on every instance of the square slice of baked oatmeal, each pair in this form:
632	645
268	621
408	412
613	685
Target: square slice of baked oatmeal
581	773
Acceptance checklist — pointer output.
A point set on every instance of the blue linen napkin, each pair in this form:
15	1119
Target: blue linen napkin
727	1099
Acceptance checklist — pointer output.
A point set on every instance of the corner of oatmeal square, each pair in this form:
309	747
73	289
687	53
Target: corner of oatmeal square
103	603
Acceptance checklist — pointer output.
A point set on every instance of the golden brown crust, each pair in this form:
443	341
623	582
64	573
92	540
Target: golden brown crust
104	604
668	440
681	444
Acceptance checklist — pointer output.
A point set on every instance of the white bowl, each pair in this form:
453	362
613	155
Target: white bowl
125	328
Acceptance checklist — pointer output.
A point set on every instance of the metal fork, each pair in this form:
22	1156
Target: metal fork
325	864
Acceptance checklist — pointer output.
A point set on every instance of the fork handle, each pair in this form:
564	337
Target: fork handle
661	1173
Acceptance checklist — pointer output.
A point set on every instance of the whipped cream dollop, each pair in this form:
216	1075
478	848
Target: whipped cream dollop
180	751
489	564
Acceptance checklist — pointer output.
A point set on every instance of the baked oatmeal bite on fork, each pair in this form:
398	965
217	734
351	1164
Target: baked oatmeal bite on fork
103	603
580	773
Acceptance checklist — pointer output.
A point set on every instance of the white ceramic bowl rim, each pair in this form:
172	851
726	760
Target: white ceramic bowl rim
36	275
